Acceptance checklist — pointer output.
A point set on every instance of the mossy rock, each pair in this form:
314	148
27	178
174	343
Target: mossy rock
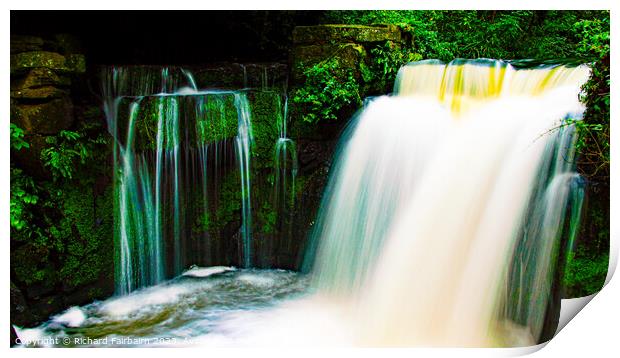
47	118
39	93
25	61
31	266
39	77
349	55
267	111
345	33
88	255
200	119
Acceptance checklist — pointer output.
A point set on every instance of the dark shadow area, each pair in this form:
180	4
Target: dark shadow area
170	37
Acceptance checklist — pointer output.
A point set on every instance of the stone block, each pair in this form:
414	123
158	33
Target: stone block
333	34
39	77
26	61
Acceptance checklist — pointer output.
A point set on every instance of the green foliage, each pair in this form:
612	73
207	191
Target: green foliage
67	150
386	60
56	238
593	131
23	198
447	34
328	89
17	138
585	274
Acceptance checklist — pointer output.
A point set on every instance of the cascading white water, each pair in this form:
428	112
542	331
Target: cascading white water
433	196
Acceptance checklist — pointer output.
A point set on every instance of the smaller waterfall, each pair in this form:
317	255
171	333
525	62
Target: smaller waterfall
171	157
243	142
285	167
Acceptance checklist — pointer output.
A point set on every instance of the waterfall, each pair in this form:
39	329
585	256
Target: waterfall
446	210
243	142
285	175
172	153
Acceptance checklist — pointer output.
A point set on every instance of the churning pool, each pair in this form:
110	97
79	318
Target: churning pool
212	305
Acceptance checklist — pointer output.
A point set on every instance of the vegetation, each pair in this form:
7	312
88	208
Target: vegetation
53	221
445	34
594	129
329	87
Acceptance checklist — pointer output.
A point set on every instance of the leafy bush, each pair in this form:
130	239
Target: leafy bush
67	151
593	131
327	90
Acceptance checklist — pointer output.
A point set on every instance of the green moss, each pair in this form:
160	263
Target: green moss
267	115
216	118
229	199
585	275
30	263
88	253
51	60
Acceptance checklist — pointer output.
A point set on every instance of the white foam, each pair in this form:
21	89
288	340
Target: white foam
144	299
73	317
256	280
207	271
30	337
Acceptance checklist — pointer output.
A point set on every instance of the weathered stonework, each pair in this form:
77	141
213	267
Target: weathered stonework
345	33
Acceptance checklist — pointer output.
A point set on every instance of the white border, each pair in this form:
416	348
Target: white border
594	330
